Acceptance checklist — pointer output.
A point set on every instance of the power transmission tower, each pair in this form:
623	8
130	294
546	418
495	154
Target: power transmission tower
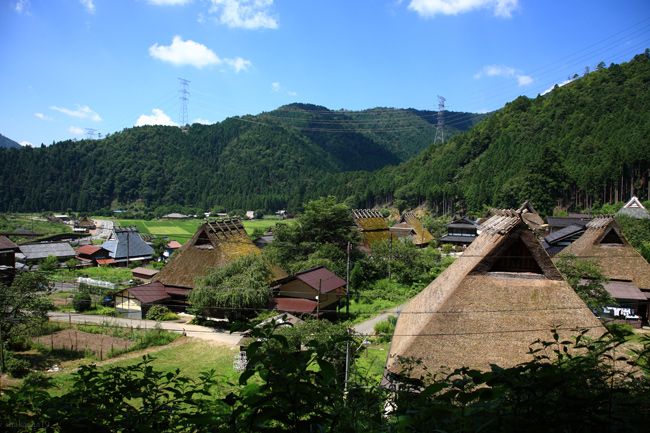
90	133
441	120
184	93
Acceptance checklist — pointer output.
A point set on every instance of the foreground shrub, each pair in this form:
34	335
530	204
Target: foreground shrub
81	302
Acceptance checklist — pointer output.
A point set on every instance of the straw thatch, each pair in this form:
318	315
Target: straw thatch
214	244
635	209
501	295
420	235
604	242
373	226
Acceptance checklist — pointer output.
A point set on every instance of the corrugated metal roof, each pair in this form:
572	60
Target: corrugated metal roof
620	290
328	280
145	271
295	305
41	251
88	249
564	233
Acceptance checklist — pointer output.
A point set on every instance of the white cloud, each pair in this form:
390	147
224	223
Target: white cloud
563	83
76	130
202	121
431	8
168	2
43	116
157	118
26	144
245	14
181	53
275	87
504	71
23	7
89	5
292	93
81	112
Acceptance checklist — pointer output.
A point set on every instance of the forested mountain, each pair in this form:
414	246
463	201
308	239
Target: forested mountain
583	144
8	142
266	161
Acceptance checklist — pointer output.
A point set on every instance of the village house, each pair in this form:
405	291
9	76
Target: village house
313	291
555	242
93	255
410	227
143	274
460	232
31	254
8	252
372	225
499	297
558	223
125	245
214	244
634	209
84	224
620	262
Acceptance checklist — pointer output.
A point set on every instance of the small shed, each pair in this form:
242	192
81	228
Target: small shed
135	302
144	274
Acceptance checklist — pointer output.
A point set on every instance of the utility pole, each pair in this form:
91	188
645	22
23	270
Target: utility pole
347	287
318	302
390	254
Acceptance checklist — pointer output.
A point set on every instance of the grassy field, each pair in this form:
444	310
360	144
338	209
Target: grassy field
181	231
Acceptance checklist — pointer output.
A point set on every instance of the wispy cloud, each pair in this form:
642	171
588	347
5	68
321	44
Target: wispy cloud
89	5
158	117
202	121
23	7
245	14
563	83
431	8
43	116
182	53
26	144
76	130
504	71
81	112
276	87
168	2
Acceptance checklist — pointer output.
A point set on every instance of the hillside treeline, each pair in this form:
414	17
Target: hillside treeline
582	145
266	161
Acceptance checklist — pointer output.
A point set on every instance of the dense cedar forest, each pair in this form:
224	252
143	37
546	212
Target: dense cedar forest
579	146
582	145
266	161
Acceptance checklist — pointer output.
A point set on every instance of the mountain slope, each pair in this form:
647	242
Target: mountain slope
584	144
266	161
8	143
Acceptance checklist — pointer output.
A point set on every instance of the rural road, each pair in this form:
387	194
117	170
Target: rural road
201	332
368	327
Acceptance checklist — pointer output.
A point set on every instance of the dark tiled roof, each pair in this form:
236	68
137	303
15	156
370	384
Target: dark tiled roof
6	244
127	238
567	221
566	232
41	251
456	239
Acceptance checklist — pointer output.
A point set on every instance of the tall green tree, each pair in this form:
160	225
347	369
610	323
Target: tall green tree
587	279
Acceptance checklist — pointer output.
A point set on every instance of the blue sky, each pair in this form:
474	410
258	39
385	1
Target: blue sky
70	66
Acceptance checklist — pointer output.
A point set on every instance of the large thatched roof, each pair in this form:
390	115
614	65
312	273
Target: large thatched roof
215	244
372	224
635	209
501	295
421	235
604	242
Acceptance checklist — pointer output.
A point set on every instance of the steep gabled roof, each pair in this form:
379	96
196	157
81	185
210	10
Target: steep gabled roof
604	242
501	295
215	244
372	224
6	244
318	275
528	212
421	235
634	209
126	242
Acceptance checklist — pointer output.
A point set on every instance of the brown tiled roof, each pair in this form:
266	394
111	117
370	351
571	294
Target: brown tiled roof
295	305
501	295
148	293
174	244
88	249
106	261
145	271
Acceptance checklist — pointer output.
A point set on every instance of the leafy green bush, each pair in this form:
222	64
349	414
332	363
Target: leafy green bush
37	379
160	313
81	302
17	367
385	329
620	330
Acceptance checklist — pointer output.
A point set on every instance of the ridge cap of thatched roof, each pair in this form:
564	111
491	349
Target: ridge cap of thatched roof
600	221
366	213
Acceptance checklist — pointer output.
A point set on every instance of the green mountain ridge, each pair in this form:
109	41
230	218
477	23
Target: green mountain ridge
266	161
582	145
8	143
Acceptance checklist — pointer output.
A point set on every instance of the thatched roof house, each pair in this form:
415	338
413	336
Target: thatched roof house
490	305
627	270
634	209
410	226
215	244
530	215
372	225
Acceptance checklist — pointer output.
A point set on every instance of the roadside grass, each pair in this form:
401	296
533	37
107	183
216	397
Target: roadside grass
368	366
191	356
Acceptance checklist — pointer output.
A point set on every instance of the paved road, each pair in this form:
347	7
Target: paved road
204	333
368	327
103	229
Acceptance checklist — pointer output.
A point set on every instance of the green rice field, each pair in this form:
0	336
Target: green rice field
181	231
